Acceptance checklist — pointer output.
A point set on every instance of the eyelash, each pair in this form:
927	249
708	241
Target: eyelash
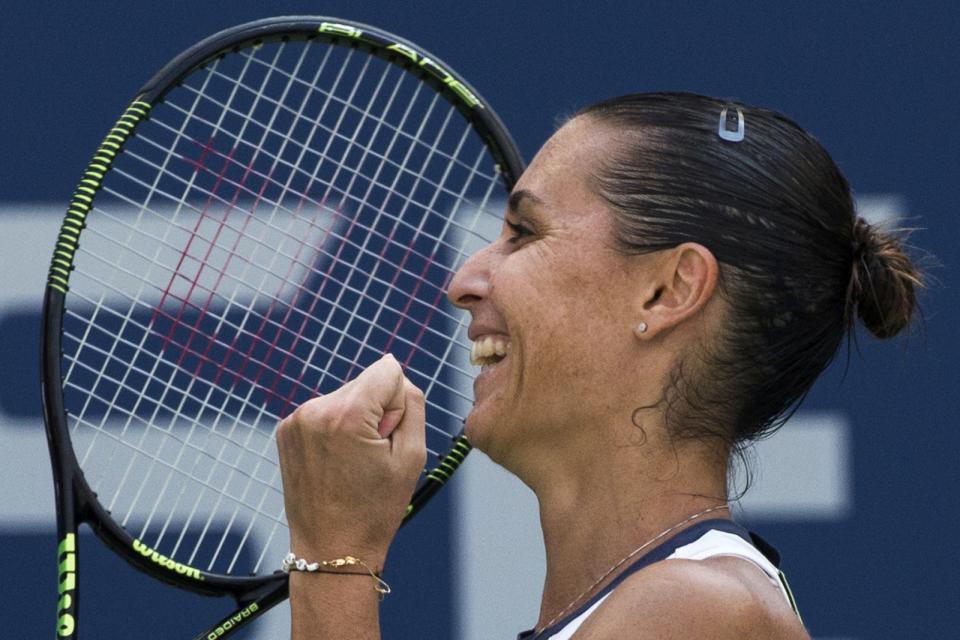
518	230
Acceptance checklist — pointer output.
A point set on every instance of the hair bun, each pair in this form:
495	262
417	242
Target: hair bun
884	281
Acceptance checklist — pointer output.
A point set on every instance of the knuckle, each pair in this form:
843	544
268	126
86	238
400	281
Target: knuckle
307	413
321	414
418	454
392	366
352	395
415	393
285	427
284	439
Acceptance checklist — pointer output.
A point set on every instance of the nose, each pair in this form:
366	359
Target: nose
471	282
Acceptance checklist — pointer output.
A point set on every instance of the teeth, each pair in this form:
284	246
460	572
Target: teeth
489	350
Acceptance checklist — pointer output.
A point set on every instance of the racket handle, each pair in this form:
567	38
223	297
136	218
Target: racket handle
438	476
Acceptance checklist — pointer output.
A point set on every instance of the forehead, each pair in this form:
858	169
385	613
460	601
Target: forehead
563	166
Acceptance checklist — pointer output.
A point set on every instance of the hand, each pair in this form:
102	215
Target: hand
350	462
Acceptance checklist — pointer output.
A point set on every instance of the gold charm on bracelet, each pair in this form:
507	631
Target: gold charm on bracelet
292	563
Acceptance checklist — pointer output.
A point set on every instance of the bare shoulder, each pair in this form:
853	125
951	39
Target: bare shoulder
724	597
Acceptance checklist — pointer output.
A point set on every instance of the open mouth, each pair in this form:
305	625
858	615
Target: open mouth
489	350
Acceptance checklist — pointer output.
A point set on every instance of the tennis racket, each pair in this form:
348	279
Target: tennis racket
280	205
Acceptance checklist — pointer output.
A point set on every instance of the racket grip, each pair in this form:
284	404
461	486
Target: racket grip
438	476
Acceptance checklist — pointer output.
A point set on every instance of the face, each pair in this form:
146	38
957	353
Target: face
553	306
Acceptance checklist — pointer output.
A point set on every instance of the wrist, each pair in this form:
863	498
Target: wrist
343	566
321	602
374	557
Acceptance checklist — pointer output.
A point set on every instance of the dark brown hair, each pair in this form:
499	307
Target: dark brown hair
797	264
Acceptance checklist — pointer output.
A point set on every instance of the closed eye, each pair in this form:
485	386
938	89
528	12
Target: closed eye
518	231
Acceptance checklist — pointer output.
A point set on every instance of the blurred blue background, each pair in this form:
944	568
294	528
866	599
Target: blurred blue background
861	500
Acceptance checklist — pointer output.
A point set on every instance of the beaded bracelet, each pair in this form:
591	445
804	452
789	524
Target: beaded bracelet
292	563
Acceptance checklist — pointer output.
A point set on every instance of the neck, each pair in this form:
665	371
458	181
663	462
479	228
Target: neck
595	519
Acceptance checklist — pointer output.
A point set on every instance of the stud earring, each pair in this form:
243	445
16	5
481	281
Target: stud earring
642	327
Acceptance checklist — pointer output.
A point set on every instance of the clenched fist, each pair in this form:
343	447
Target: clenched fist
350	462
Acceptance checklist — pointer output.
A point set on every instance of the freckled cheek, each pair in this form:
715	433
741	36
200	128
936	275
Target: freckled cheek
549	357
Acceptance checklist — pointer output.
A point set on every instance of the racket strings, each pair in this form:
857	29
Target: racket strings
334	133
275	416
274	529
126	474
335	349
205	481
109	465
362	292
259	291
364	202
219	456
243	497
154	422
292	248
240	279
401	172
227	158
306	362
229	436
263	243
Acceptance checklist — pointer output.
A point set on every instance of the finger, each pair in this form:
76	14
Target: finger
409	437
378	391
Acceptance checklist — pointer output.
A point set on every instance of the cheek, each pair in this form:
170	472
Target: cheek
562	325
561	370
578	345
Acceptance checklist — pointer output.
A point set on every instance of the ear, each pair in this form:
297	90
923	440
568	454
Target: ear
684	282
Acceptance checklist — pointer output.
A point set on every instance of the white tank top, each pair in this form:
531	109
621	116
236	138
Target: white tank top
708	539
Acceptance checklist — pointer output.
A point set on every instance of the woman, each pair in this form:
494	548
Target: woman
673	273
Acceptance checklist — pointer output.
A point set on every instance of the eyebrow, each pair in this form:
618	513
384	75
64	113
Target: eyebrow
518	197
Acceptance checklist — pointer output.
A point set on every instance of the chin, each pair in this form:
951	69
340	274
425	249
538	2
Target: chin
474	429
482	427
491	435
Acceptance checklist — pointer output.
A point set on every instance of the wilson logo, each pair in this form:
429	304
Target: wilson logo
166	562
67	557
234	621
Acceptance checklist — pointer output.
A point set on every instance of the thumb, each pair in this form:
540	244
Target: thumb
410	436
380	390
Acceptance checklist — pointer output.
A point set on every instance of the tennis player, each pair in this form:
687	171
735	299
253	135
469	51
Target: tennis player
673	274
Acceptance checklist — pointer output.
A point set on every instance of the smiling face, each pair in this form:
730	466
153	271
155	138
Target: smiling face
555	297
